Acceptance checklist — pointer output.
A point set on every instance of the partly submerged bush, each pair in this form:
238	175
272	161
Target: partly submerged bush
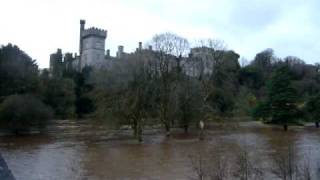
23	112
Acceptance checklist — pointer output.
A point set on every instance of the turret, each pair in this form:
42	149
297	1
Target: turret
120	51
140	46
82	26
108	53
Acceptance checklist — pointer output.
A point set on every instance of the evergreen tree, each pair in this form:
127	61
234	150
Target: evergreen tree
18	72
282	97
313	107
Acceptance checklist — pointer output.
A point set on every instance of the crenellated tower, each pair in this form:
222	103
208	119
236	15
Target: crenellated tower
92	46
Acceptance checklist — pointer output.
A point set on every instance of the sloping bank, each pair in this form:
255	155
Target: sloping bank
5	173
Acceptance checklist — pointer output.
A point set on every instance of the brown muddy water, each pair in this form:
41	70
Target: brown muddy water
74	150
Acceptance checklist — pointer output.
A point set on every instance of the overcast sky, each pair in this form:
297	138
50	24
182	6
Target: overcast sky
39	27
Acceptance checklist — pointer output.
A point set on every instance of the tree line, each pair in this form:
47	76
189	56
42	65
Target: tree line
172	85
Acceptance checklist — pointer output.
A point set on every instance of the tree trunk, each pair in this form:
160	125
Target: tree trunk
135	128
186	129
201	135
317	124
167	126
285	127
139	132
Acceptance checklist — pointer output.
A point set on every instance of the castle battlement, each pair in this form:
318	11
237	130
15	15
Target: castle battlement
93	31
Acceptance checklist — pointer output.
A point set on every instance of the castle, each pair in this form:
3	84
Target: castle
91	52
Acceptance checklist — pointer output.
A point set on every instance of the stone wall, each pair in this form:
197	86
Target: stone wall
93	51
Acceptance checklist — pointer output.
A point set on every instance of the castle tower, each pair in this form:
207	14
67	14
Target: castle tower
56	64
92	46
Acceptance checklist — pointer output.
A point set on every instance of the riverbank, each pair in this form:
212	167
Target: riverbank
95	129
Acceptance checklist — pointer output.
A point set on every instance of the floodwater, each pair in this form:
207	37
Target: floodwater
82	151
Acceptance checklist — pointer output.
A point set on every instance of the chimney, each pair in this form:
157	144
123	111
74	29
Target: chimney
140	46
82	24
150	48
120	51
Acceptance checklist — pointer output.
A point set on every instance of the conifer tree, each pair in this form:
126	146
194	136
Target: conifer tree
282	97
313	107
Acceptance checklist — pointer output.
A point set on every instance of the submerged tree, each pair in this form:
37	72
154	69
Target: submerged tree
285	164
138	96
169	50
246	167
188	102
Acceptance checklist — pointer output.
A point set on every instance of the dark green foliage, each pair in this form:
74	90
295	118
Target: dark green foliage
59	94
221	101
22	112
155	87
251	77
313	107
18	72
84	103
188	102
282	97
280	106
138	101
224	80
261	111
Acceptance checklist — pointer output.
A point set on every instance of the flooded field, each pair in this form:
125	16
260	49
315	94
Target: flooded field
83	151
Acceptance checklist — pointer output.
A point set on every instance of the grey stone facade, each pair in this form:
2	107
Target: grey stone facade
92	46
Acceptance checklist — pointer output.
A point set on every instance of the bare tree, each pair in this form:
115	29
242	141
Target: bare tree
305	169
169	50
285	164
219	168
211	164
220	162
245	166
199	167
126	92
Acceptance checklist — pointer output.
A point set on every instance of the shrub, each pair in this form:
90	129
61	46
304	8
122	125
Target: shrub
23	112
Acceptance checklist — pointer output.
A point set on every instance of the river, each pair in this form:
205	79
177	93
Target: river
83	151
